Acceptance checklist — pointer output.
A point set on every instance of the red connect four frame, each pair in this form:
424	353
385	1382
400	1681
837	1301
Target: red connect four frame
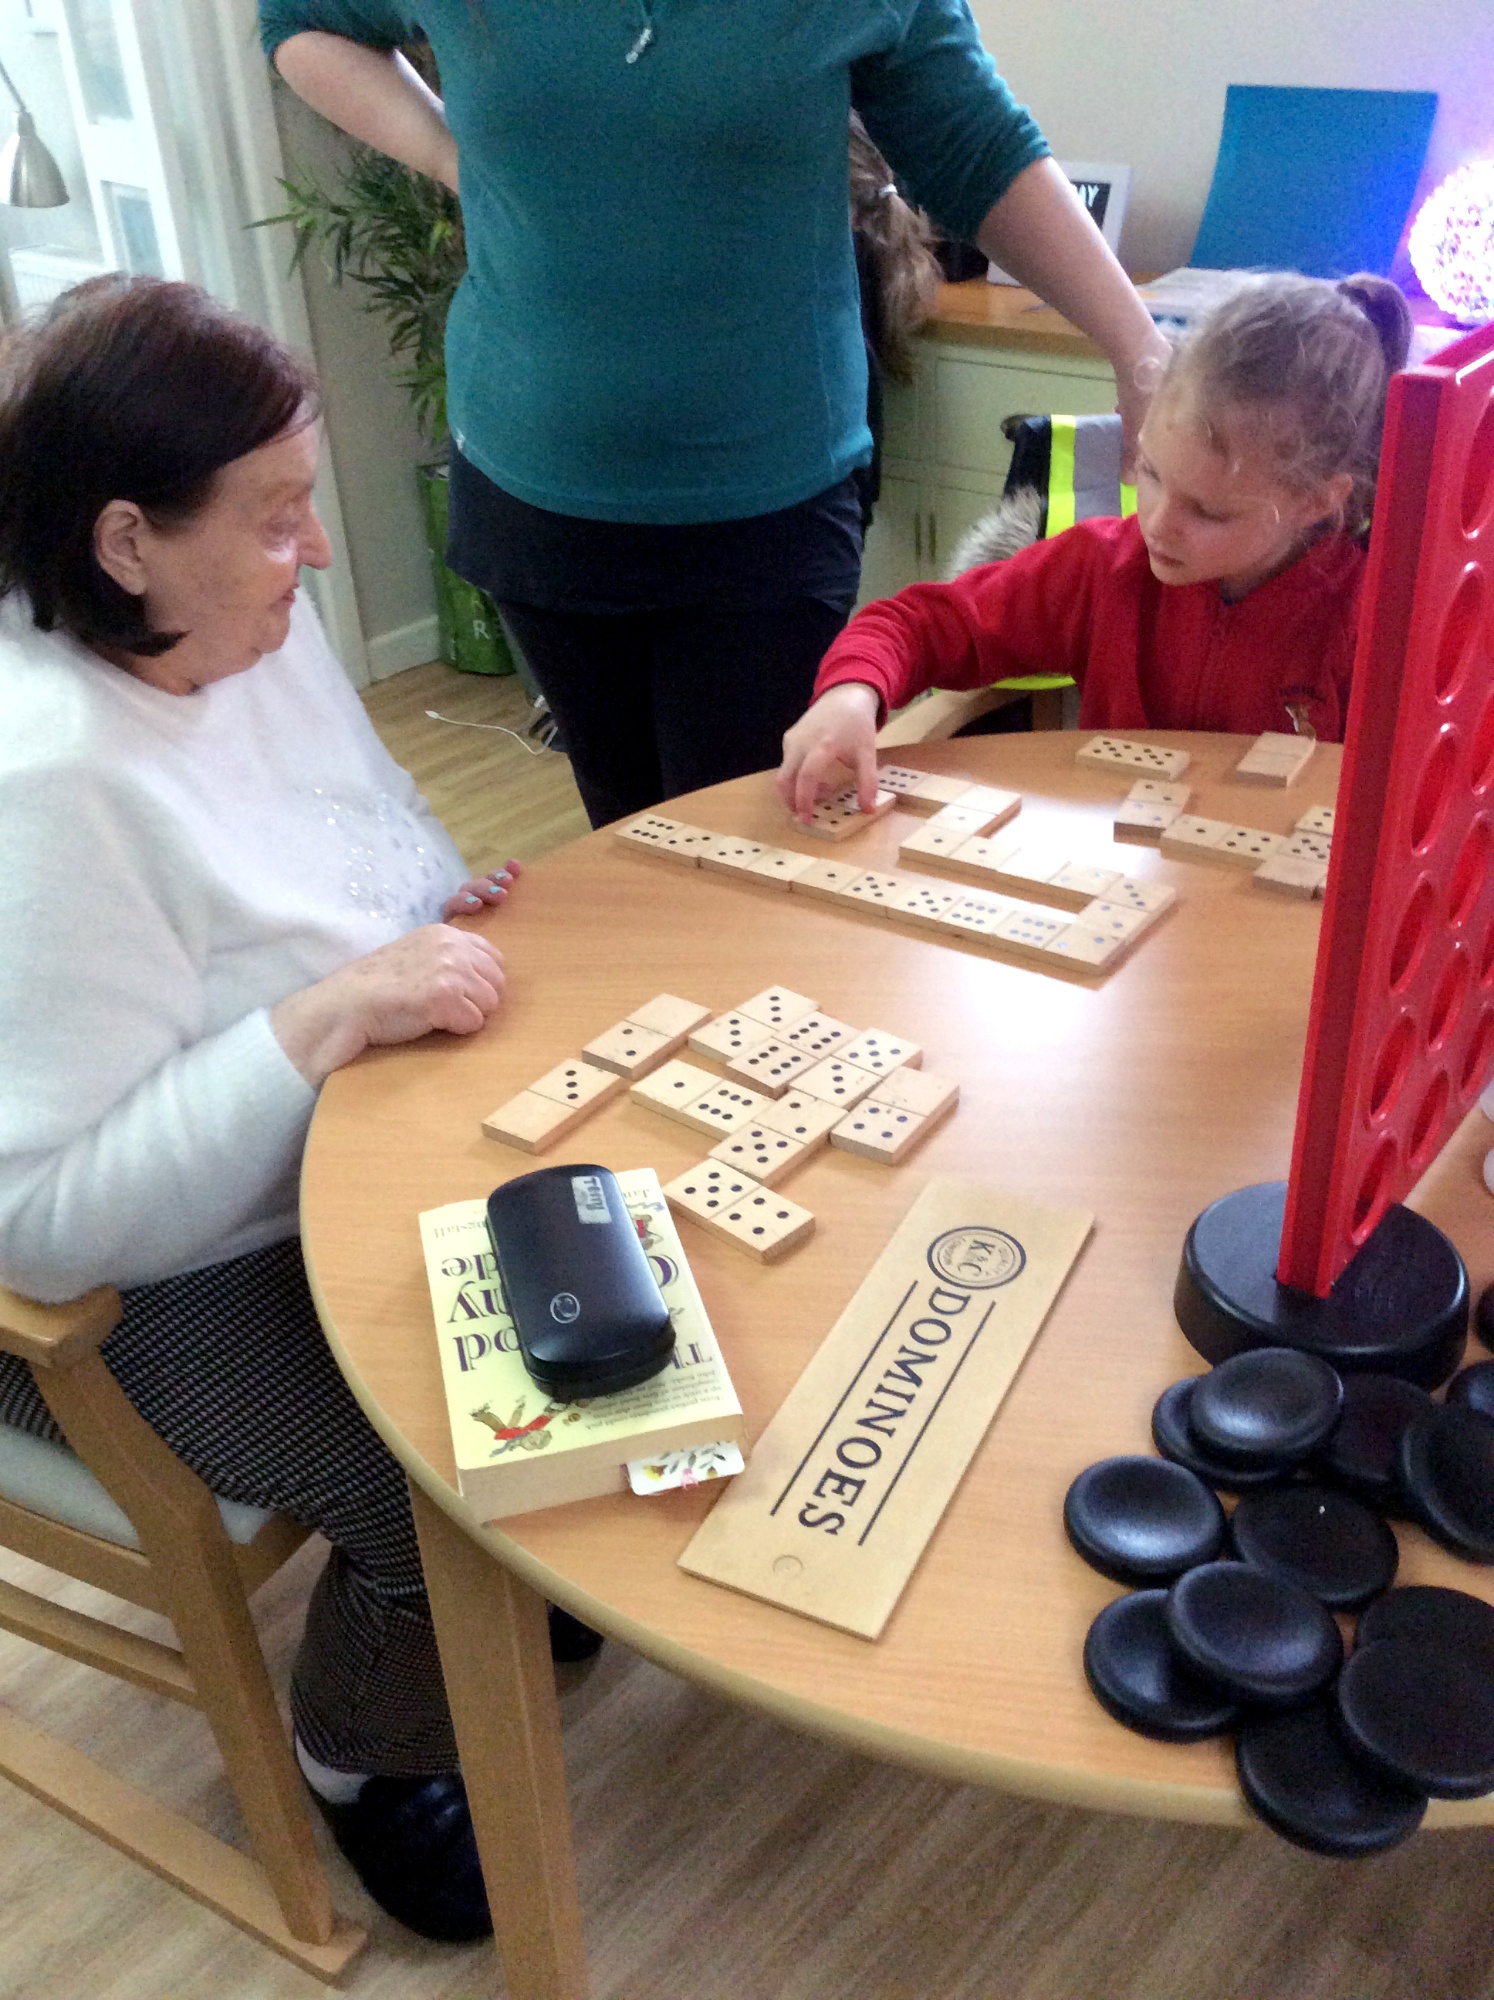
1401	1035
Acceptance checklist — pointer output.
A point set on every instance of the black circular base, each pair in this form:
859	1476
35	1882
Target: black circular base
1400	1306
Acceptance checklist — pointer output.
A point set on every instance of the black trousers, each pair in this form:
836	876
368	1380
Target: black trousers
653	703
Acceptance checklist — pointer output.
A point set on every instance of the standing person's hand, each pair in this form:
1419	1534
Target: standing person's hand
837	735
436	977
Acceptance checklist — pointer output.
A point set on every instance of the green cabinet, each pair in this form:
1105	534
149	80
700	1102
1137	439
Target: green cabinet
944	456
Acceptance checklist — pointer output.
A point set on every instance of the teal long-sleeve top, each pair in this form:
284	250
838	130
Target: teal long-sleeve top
660	317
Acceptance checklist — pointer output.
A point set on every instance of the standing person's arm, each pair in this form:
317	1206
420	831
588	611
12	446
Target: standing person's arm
973	157
1042	234
341	59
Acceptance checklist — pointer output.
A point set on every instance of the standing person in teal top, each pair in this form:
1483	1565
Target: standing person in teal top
656	373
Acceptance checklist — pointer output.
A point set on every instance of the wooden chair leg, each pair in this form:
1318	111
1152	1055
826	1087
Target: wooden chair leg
495	1656
182	1535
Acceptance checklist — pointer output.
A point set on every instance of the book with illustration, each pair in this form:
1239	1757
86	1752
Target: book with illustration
516	1448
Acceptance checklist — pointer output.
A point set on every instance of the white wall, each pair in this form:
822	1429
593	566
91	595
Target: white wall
375	445
1143	82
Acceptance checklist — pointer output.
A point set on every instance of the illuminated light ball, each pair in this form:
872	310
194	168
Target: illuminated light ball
1452	244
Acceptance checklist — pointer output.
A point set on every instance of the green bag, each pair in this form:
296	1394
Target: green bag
471	636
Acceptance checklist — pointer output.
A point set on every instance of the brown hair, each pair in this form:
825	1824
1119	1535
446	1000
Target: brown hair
1302	367
130	388
899	244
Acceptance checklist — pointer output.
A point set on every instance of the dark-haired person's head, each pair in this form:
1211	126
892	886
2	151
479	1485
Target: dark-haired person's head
157	457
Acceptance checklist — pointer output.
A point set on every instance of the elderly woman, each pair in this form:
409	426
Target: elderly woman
217	889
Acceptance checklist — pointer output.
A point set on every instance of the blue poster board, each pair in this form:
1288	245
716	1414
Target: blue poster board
1317	181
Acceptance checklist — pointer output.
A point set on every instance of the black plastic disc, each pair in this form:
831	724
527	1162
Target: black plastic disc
1328	1542
1473	1388
1256	1636
1136	1675
1425	1611
1483	1318
1447	1473
1141	1520
1361	1453
1400	1305
1266	1405
1300	1775
1172	1434
1419	1712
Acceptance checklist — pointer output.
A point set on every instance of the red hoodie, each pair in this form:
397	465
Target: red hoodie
1147	655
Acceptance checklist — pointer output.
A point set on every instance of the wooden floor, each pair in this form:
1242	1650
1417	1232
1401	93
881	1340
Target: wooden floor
721	1856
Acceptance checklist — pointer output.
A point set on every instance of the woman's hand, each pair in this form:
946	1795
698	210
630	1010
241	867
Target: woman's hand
482	892
837	735
436	977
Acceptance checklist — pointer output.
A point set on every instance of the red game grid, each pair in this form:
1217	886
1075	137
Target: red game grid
1400	1039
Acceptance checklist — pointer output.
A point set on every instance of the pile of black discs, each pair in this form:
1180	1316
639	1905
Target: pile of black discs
1230	1626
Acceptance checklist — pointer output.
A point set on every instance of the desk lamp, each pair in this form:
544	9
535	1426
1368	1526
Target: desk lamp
29	176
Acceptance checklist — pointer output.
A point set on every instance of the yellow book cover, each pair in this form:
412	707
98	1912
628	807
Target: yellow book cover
516	1448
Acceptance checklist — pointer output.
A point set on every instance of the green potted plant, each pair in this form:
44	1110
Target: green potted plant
398	235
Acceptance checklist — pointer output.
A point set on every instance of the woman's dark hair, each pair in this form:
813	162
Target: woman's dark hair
135	389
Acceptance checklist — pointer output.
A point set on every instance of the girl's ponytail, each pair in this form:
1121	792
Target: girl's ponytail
1384	306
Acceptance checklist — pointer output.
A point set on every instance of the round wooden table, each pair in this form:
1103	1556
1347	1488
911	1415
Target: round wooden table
1140	1098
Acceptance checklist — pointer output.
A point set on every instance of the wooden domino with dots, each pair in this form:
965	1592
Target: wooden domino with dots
807	1120
818	1035
673	1087
1109	753
761	1153
876	1130
771	1067
727	1036
879	1051
778	867
836	1082
1293	875
825	879
777	1007
1276	758
647	1037
839	816
533	1123
740	1211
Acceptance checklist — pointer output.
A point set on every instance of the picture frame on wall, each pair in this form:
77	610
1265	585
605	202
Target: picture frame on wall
1104	190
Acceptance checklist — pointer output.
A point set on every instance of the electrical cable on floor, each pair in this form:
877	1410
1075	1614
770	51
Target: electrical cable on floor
459	722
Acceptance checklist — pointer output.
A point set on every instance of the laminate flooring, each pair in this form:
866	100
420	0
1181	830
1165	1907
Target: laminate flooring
722	1856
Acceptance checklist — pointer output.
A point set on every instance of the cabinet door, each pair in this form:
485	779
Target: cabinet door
970	399
895	552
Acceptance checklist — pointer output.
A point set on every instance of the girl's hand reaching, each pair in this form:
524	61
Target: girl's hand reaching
838	735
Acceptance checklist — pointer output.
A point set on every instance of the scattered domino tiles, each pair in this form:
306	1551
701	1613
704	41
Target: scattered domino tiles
1110	753
1276	759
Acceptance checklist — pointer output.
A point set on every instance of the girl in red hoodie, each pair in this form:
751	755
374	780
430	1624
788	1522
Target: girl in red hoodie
1228	601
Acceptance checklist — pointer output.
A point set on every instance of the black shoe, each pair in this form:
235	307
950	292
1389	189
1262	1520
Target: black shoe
570	1640
411	1842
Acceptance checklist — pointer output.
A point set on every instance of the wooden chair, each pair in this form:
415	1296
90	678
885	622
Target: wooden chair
122	1512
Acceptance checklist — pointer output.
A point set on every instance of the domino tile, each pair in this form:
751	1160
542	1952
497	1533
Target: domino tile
531	1122
835	1081
879	1051
668	1015
726	1107
728	1036
838	817
1293	875
918	1090
1159	792
826	879
770	1067
767	1225
761	1153
676	1084
1191	836
884	1132
1143	825
577	1083
808	1120
1248	846
778	867
875	891
818	1035
1318	819
777	1007
629	1049
729	856
1112	752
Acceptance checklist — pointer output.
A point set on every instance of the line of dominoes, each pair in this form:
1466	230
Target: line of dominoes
1293	864
1089	939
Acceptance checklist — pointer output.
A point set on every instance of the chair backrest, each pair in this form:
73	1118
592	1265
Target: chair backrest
1074	463
123	1513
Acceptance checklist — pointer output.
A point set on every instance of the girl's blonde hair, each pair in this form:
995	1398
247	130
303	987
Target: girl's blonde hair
1300	367
899	244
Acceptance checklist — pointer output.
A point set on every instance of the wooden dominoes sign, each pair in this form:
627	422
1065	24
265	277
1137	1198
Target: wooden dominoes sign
849	1480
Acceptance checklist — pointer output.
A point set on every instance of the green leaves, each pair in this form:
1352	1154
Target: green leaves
398	235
